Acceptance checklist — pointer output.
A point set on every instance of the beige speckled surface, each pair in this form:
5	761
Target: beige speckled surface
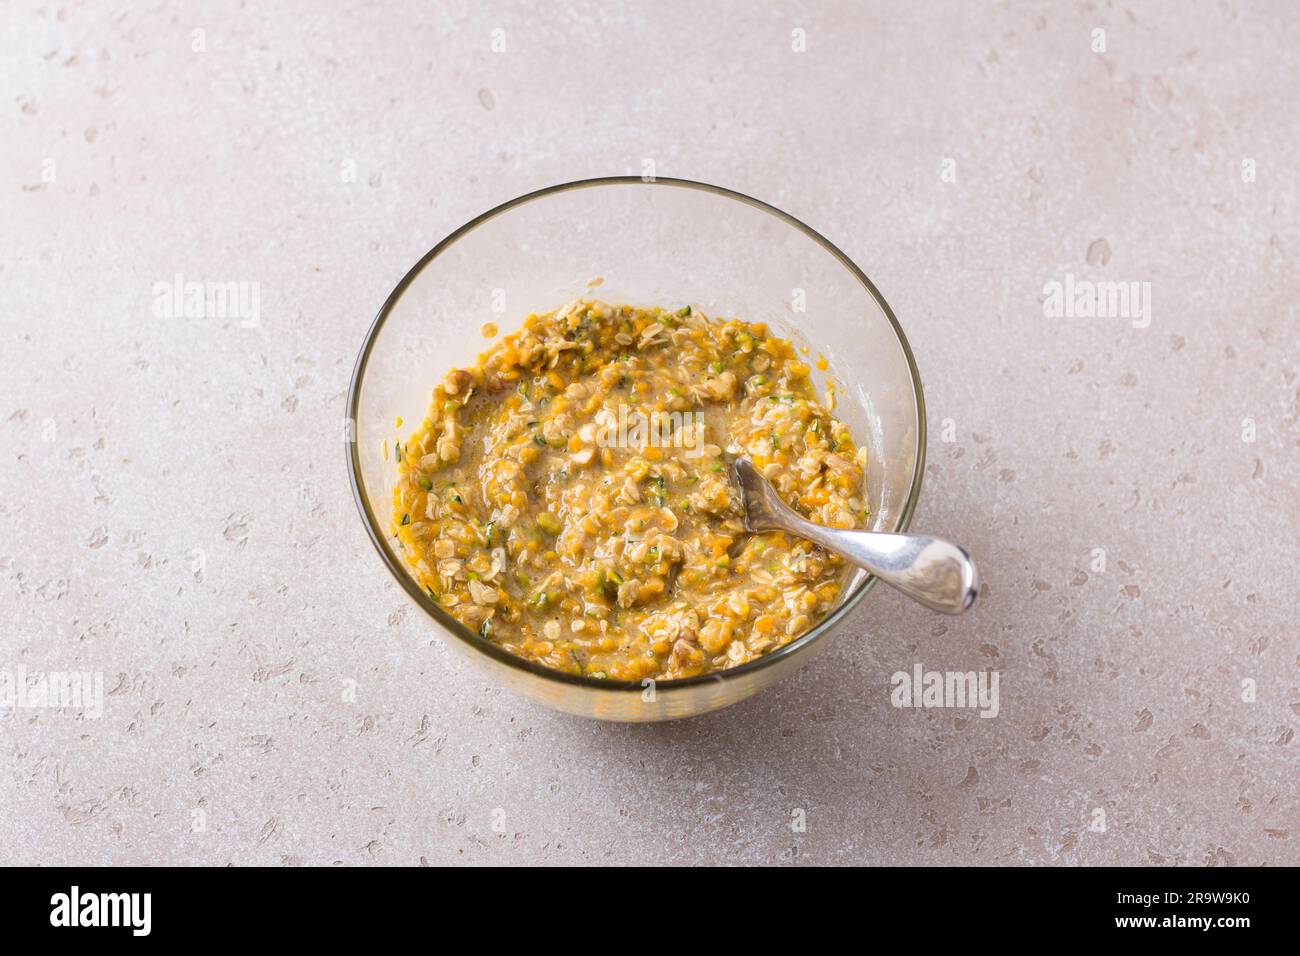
290	694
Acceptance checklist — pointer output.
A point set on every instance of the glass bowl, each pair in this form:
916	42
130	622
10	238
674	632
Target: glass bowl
663	242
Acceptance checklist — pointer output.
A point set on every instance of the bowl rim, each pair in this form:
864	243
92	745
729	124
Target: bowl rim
500	654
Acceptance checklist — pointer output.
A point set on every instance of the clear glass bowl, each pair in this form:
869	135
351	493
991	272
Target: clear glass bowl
665	242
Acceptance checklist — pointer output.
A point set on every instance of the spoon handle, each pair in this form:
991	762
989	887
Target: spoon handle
930	570
937	573
934	572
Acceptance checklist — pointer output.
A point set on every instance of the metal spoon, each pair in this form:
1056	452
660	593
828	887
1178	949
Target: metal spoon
935	573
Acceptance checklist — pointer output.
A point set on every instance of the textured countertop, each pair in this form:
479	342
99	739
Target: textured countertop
175	514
